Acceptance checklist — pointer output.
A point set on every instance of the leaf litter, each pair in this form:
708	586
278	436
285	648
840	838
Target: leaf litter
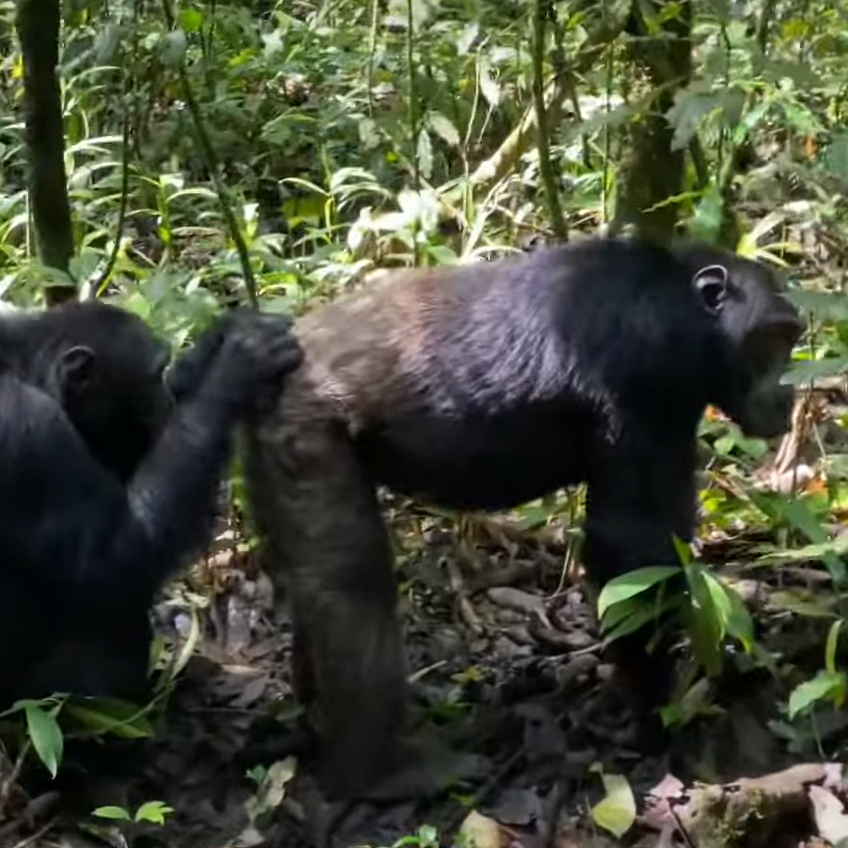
525	691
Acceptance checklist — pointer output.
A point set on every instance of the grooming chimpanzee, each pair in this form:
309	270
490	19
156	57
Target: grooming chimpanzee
483	387
106	484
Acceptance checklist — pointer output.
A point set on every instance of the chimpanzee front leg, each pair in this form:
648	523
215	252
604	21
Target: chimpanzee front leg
640	495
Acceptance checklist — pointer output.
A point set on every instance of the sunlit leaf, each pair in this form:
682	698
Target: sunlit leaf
108	812
824	685
191	19
617	811
153	812
830	648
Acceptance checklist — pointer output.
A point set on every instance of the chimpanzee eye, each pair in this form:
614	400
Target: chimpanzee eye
711	283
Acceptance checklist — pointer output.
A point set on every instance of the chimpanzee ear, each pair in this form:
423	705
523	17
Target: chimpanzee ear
711	284
76	367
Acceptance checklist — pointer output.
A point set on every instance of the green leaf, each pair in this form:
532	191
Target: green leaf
618	612
799	515
191	19
46	737
804	372
632	583
708	217
824	305
110	715
832	644
617	811
646	612
740	625
689	109
117	813
694	702
823	685
153	812
706	628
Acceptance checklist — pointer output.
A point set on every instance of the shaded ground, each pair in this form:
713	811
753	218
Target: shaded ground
511	670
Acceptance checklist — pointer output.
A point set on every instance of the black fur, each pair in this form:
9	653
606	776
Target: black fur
483	387
105	488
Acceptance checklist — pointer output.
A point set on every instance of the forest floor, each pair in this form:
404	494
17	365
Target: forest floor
511	662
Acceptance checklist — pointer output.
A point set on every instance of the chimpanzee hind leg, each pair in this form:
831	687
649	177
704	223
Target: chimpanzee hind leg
319	512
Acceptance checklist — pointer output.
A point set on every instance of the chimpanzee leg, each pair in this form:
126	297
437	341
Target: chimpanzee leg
641	494
319	511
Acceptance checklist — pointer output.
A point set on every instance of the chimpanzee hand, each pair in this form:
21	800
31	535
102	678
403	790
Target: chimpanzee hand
256	351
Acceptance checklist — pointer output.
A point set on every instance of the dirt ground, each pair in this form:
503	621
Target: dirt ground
509	664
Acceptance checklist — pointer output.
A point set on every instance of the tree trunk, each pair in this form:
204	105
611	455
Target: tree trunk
38	23
652	172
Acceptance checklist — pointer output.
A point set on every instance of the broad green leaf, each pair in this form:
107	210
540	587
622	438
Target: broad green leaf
108	812
644	614
46	737
110	715
704	622
805	372
823	304
740	625
823	685
684	552
720	600
707	220
191	19
618	612
803	602
632	583
818	551
689	109
617	811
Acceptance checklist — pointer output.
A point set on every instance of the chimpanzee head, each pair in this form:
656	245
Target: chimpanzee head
105	367
757	329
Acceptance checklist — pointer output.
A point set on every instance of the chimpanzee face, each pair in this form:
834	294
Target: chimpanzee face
113	390
758	329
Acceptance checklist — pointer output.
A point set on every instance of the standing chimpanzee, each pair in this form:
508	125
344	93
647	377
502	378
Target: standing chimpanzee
106	484
483	387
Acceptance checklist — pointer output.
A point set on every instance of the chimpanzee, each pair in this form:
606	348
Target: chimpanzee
483	387
107	484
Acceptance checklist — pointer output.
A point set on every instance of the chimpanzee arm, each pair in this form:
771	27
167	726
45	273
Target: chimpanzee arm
100	541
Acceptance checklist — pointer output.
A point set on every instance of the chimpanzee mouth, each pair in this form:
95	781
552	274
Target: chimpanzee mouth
766	410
